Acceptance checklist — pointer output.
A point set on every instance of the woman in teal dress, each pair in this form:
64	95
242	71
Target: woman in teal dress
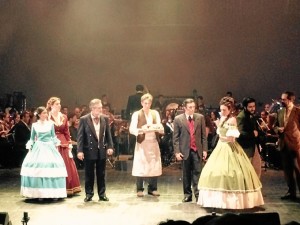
43	172
228	180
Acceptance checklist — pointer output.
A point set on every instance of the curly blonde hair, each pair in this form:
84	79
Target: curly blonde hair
50	102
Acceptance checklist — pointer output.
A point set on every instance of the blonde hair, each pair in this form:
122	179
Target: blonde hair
50	102
94	102
147	97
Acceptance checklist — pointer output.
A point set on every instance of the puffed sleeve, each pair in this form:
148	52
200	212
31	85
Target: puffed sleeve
54	138
133	124
232	131
32	138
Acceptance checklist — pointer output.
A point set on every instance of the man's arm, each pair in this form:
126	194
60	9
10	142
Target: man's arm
80	133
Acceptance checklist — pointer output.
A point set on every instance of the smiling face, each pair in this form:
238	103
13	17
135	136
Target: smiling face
43	115
96	109
146	104
55	107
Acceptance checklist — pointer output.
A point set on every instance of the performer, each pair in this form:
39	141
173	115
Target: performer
146	125
65	149
94	141
248	129
190	146
43	172
228	180
287	125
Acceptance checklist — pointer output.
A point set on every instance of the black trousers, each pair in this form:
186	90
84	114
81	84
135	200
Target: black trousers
191	169
291	166
152	183
90	165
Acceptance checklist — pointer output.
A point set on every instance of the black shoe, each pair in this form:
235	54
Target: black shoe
187	199
103	198
88	199
289	196
154	193
197	199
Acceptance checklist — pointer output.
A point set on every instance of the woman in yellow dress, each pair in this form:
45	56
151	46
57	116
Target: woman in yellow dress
228	180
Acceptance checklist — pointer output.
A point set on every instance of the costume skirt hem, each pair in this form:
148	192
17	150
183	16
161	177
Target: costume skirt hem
43	192
230	200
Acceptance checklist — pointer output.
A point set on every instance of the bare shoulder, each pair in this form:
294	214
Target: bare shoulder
232	120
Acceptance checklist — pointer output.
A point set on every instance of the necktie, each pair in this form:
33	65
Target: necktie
96	120
192	135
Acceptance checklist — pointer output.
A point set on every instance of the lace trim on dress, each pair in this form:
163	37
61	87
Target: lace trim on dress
59	120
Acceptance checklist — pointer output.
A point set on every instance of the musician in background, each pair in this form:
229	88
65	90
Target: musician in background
248	129
134	104
21	132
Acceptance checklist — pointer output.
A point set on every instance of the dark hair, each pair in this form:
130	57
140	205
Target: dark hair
39	110
229	93
290	95
174	222
23	114
247	100
139	87
187	101
216	113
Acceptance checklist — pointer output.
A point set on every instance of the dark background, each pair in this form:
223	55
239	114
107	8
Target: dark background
81	49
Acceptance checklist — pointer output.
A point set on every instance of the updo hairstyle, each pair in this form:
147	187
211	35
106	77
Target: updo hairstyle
227	101
38	111
50	102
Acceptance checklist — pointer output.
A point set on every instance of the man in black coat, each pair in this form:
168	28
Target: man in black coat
134	101
94	141
21	132
248	129
134	104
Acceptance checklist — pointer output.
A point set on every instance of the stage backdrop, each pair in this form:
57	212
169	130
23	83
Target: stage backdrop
79	50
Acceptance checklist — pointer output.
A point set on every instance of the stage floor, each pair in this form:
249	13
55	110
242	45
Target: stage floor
125	208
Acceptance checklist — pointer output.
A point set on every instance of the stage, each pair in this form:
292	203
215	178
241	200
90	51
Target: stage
125	208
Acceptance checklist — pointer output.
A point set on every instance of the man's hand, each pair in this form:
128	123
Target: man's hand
204	155
179	156
280	129
80	155
110	151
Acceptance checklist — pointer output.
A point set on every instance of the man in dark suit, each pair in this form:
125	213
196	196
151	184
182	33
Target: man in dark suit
287	125
134	101
134	104
94	141
248	129
190	145
21	132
